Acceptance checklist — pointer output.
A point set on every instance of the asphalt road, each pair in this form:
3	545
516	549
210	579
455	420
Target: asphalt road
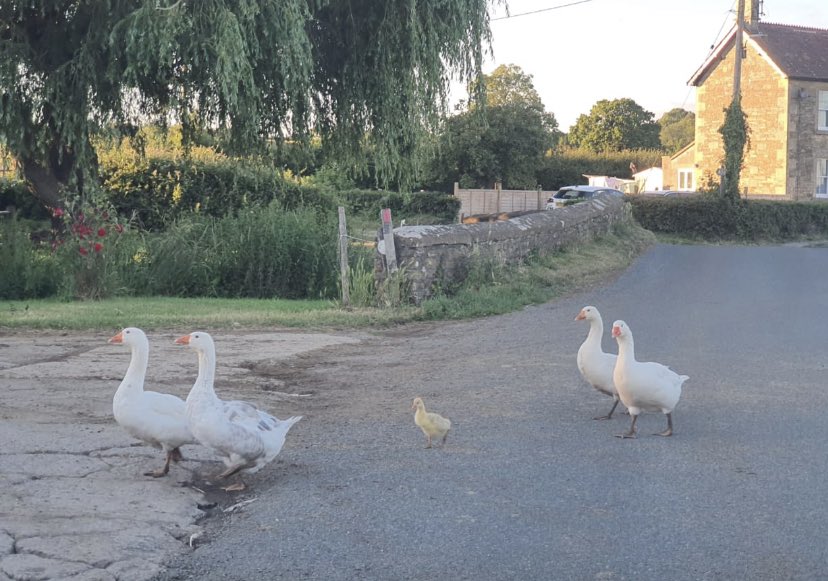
529	486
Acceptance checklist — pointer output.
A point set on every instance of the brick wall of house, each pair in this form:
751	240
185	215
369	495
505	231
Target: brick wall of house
765	102
670	167
805	143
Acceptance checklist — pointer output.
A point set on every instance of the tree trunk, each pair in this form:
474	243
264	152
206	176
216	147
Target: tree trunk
43	184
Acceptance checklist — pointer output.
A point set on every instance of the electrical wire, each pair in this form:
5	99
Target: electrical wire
508	16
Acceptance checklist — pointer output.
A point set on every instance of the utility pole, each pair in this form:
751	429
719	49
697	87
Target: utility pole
737	50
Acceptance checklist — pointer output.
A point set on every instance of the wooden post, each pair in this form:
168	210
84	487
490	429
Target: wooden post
388	239
343	259
737	50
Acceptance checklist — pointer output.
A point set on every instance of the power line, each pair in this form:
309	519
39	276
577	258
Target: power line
541	10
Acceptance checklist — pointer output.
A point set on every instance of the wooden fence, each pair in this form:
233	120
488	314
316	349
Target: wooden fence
497	200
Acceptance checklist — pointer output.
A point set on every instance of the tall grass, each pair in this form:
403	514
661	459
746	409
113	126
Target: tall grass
261	253
27	270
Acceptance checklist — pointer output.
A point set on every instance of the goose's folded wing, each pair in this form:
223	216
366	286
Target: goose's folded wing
164	404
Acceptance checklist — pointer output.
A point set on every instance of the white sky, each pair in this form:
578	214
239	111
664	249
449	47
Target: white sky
645	50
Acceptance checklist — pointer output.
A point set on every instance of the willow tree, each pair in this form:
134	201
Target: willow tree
362	74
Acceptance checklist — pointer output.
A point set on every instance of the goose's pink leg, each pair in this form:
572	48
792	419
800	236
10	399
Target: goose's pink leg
631	432
669	430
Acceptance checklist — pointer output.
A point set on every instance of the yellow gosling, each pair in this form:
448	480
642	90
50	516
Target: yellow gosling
433	425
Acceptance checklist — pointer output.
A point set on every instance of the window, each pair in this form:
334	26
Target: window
822	178
685	180
822	114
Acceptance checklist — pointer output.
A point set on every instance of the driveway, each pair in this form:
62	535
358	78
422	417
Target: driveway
529	487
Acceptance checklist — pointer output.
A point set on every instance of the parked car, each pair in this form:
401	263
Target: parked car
569	195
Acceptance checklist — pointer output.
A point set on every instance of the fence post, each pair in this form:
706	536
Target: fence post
388	238
343	259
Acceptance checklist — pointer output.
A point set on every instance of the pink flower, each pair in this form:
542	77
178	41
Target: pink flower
119	228
98	247
57	212
101	232
83	251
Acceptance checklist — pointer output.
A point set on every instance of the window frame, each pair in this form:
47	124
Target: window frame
822	111
685	180
821	174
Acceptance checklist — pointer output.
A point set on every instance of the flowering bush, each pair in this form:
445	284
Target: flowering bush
87	244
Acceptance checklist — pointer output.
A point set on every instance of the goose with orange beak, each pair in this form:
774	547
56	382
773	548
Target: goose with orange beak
643	386
159	419
245	437
597	367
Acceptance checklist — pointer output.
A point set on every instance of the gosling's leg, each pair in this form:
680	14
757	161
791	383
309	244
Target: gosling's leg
609	415
443	444
176	455
161	471
669	430
428	436
631	432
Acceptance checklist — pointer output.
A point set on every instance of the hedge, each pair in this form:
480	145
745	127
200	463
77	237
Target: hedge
566	168
369	202
158	190
712	218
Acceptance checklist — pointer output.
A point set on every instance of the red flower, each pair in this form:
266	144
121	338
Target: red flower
101	232
98	247
119	228
57	212
83	251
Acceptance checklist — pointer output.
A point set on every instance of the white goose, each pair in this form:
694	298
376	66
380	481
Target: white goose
595	366
159	419
245	437
644	386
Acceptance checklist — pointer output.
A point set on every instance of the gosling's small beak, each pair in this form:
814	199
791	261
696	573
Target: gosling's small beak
581	316
119	338
185	340
616	331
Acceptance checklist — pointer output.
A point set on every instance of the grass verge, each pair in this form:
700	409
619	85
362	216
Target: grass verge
491	288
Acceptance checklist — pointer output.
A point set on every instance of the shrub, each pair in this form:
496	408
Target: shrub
28	270
714	218
14	193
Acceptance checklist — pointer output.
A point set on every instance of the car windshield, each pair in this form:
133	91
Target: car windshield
569	194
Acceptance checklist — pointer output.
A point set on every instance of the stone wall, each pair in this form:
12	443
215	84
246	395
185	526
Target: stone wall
440	255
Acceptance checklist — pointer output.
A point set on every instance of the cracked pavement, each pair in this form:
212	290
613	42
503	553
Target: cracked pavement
74	503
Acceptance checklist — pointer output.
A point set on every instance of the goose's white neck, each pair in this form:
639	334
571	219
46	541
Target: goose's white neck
626	348
203	385
133	381
596	330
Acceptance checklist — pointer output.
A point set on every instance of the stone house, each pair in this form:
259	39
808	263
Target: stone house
784	86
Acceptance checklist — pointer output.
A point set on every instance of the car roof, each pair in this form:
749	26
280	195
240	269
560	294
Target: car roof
586	188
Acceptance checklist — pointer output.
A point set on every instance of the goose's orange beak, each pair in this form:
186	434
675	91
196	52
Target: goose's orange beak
581	316
119	338
616	331
185	340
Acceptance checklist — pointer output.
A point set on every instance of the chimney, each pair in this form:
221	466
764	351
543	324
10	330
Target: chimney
752	15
